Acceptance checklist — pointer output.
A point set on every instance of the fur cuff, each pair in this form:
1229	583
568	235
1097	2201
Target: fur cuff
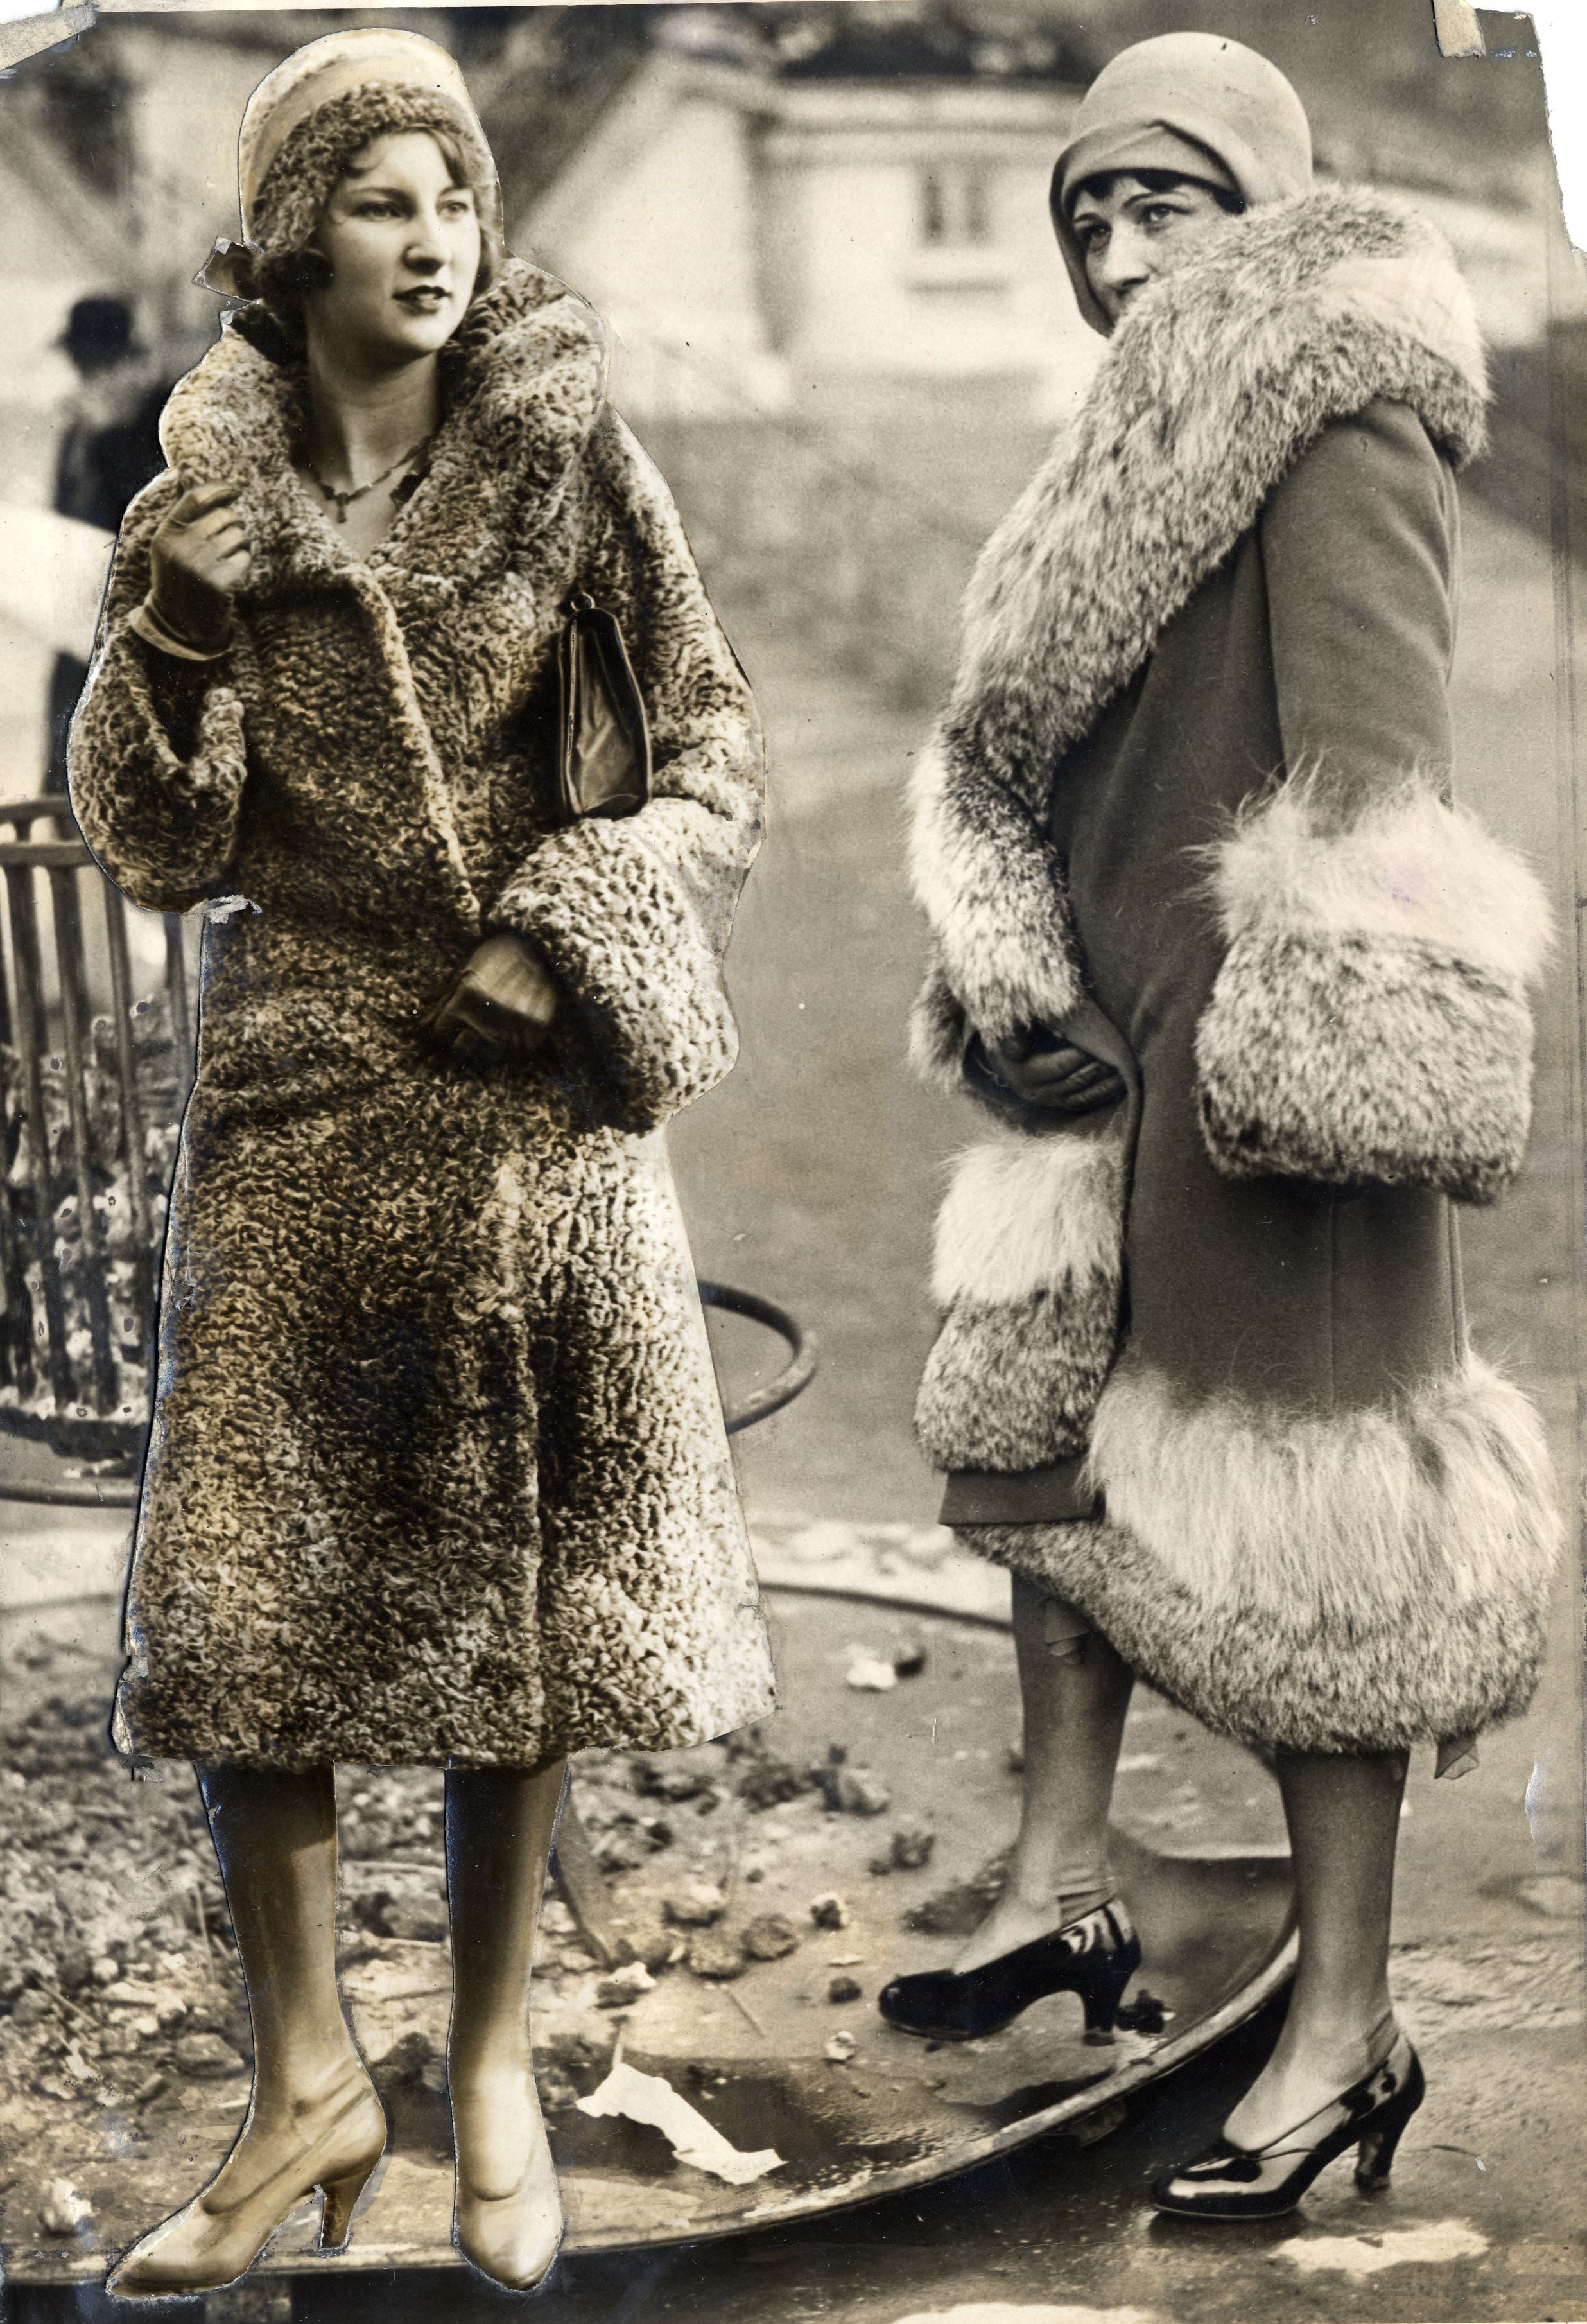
1370	1019
1028	1270
1363	1582
651	1028
163	827
989	882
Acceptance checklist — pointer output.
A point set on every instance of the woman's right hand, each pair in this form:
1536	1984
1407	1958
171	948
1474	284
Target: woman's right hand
501	1007
1043	1070
199	558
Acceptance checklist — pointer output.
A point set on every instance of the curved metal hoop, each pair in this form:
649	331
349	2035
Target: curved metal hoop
804	1353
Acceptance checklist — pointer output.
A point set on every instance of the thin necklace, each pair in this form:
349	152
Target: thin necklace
344	501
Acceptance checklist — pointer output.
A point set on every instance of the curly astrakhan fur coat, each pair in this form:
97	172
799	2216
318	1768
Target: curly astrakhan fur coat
437	1469
1203	1369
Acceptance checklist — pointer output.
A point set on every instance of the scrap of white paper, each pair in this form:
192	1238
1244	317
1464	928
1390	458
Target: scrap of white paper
650	2098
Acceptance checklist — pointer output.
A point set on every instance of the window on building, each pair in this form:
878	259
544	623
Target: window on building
955	207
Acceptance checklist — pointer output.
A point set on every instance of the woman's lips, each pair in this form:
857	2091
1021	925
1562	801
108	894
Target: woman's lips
423	299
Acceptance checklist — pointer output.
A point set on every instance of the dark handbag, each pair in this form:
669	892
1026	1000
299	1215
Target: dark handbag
603	749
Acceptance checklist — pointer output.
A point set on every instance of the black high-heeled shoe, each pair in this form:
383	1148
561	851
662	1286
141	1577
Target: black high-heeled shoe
1227	2181
1096	1957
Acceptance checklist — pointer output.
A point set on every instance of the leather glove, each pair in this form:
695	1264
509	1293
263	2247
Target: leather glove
1041	1069
501	1007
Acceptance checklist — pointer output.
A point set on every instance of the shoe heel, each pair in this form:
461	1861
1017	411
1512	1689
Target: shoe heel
1102	1992
1374	2159
1374	2154
1102	2009
339	2200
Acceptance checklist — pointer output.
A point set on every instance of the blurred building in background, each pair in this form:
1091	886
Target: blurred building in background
818	233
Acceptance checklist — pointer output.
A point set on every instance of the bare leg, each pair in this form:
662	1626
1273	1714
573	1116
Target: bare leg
499	1823
1344	1819
1076	1693
314	2119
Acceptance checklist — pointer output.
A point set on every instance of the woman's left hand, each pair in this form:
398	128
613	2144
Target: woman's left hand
500	1008
1043	1069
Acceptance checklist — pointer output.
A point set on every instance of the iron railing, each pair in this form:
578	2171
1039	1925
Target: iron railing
96	1055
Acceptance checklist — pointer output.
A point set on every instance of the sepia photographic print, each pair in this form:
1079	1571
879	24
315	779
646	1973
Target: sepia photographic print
789	1278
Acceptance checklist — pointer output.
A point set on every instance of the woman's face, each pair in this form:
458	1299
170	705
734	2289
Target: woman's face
403	244
1130	233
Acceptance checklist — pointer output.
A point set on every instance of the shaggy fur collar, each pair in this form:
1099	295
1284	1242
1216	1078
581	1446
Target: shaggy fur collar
1216	383
524	381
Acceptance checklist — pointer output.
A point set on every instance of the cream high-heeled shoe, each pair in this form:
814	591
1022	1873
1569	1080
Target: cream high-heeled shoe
514	2237
214	2240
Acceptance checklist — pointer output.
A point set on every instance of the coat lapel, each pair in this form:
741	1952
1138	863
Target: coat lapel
524	382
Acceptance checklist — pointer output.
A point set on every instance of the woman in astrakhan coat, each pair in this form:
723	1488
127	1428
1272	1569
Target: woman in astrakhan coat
1247	991
438	1473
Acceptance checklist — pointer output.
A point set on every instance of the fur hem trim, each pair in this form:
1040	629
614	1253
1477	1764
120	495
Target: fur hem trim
1028	1266
1369	1021
989	883
1270	1679
1331	1521
1300	313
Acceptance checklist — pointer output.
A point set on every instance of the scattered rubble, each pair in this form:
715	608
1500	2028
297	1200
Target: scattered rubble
912	1845
829	1911
1145	2014
623	1987
839	2048
770	1782
204	2056
770	1936
653	1944
716	1955
63	2210
844	1987
695	1904
873	1673
849	1791
417	1920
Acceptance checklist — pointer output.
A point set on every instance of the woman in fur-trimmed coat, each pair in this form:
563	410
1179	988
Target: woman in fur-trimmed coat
1246	992
438	1471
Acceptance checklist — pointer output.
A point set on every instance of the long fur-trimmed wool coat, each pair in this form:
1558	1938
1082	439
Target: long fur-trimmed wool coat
437	1469
1203	1369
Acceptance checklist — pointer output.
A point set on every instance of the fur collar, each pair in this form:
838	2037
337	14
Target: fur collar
524	381
1213	386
